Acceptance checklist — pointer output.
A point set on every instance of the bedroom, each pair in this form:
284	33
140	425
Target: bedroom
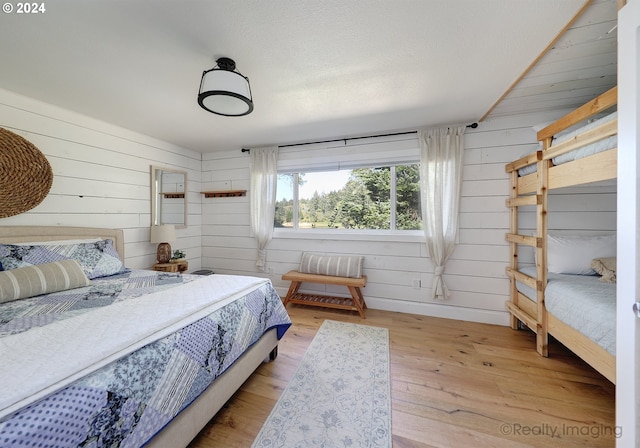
114	191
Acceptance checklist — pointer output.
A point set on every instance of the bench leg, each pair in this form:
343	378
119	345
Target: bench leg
358	300
364	304
293	288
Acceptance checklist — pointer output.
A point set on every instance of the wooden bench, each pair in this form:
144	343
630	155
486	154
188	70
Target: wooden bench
354	303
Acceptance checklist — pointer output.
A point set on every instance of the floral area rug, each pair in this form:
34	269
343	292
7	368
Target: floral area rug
339	395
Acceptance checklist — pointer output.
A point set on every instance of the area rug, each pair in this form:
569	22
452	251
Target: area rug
339	395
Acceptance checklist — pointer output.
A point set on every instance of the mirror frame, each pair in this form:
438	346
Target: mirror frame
155	194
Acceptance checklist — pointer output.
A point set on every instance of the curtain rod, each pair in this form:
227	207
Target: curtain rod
472	126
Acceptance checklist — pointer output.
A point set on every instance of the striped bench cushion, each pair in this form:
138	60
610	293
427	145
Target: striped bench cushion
336	265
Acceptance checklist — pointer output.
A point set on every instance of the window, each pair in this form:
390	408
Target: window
371	198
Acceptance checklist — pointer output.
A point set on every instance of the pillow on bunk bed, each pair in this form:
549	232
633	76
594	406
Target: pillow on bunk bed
606	267
572	254
572	131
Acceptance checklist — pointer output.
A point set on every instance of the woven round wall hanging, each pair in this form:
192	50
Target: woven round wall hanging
25	175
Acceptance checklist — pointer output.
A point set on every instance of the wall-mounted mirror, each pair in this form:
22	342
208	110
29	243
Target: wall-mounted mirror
168	197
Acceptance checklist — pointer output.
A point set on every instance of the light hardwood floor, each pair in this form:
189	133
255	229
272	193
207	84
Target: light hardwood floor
453	384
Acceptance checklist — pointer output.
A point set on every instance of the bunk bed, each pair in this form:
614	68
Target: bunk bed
111	356
577	310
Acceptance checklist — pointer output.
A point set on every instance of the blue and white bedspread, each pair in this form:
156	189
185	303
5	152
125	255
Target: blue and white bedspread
581	301
111	364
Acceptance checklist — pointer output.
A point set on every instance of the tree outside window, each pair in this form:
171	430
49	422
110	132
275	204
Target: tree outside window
371	198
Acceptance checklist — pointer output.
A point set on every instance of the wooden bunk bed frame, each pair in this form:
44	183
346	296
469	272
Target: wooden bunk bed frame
532	190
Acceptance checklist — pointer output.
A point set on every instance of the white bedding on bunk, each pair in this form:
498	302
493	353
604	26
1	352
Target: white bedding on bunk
88	341
587	150
581	301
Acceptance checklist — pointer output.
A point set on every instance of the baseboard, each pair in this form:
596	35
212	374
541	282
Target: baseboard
434	309
441	310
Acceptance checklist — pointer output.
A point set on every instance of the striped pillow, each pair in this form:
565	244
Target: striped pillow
30	281
335	265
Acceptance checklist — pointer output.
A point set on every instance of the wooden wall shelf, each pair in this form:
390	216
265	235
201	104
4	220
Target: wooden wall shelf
173	195
224	193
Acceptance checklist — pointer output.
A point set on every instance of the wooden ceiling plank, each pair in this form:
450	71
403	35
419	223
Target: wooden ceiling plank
540	56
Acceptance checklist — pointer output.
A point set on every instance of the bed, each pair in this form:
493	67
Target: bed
554	296
110	356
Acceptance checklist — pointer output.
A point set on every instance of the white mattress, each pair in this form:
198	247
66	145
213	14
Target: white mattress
587	150
583	302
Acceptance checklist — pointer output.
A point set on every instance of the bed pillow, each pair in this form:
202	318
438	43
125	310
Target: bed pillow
97	259
59	242
540	126
606	267
573	254
335	265
53	243
30	281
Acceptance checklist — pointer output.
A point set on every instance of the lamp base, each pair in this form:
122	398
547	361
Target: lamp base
164	253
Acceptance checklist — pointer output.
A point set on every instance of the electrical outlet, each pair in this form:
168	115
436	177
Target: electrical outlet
416	283
270	270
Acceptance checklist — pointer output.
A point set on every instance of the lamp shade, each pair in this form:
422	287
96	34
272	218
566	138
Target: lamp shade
163	233
224	91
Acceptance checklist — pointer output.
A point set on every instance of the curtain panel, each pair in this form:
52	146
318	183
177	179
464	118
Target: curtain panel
264	180
441	151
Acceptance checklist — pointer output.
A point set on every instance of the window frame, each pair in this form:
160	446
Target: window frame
391	234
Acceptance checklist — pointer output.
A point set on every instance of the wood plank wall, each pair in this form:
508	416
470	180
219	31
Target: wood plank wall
475	273
102	176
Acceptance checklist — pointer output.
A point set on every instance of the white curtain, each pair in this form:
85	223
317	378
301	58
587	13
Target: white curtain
264	180
441	152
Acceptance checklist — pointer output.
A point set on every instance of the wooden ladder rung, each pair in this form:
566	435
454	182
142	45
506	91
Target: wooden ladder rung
534	199
525	240
522	316
531	282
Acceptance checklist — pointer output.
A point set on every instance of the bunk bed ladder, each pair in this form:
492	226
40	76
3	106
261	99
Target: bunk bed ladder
535	319
513	203
544	164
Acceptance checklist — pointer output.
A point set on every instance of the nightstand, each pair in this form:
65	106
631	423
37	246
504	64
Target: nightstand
180	266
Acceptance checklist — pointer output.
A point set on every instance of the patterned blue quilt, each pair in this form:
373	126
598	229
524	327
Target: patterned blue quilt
128	401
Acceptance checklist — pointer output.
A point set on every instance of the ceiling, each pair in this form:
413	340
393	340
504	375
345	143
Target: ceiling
319	69
579	66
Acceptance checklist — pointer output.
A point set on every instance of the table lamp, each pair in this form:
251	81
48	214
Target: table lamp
162	234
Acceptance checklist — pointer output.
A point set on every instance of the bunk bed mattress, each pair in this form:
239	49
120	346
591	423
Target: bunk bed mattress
76	373
584	151
581	301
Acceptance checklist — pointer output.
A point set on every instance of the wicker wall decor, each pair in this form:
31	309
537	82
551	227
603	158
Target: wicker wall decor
25	175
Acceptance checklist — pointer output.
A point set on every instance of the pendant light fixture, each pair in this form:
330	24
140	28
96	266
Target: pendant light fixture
225	91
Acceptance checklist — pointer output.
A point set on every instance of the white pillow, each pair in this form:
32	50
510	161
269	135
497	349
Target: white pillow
540	126
572	254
